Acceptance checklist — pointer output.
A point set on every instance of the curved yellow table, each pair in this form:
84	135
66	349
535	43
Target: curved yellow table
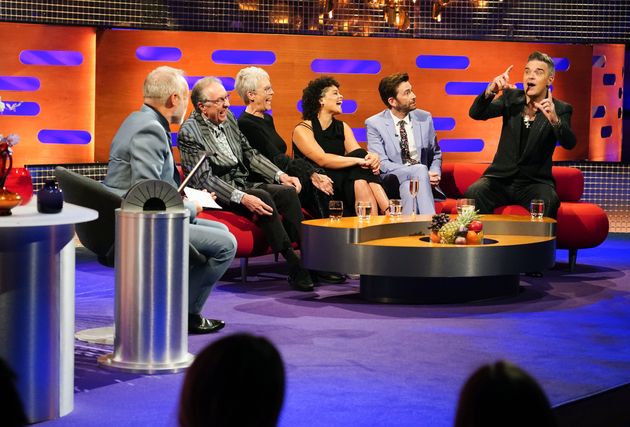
398	263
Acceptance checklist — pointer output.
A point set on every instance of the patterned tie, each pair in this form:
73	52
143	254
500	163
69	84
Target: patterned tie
404	145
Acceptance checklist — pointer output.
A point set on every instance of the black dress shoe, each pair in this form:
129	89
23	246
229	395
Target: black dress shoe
328	277
200	325
300	279
536	274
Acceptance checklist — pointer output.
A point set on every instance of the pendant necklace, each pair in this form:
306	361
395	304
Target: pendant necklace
527	119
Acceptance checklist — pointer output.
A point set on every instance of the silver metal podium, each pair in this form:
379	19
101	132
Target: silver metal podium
150	332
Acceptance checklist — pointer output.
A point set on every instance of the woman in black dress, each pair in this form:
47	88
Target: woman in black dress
254	86
329	143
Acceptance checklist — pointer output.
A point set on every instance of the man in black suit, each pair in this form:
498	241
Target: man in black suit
533	121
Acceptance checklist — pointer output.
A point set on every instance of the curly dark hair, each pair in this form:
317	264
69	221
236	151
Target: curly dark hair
313	93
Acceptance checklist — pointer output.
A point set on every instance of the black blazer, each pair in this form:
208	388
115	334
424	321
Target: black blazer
535	161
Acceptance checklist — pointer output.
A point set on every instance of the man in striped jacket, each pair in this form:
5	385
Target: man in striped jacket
244	180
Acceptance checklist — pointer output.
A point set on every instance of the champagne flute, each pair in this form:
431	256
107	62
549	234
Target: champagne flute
414	186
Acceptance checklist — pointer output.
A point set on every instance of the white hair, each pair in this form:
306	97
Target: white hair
247	81
163	82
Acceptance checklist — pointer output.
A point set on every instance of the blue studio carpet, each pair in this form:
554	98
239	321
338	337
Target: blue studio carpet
353	363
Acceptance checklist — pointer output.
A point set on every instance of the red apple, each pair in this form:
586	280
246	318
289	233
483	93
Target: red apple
475	226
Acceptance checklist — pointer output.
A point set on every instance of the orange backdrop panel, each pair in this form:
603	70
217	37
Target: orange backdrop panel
120	75
65	95
607	95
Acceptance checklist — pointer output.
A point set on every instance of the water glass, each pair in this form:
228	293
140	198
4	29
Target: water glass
364	210
395	208
335	210
465	205
537	209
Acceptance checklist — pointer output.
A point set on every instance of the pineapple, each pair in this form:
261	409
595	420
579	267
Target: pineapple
449	231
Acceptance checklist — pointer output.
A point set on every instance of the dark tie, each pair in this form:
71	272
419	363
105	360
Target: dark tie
404	145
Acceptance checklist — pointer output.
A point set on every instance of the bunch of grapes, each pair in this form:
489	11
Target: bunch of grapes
437	221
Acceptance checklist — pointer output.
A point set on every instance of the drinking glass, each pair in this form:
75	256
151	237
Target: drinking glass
335	210
537	209
465	205
395	208
414	186
364	210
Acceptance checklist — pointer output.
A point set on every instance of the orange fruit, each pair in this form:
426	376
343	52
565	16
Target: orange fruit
472	238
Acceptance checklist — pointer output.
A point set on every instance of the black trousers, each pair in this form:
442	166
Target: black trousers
490	193
285	224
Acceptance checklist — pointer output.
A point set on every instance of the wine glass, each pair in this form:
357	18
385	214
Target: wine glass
414	186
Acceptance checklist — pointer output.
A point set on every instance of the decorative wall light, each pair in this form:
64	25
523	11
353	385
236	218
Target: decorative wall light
249	5
396	15
436	9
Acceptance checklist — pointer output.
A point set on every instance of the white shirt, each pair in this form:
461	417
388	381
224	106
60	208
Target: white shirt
413	150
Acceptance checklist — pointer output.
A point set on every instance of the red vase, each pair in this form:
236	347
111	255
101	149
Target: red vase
19	181
8	200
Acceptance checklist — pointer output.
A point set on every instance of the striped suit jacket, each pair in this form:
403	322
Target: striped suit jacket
219	172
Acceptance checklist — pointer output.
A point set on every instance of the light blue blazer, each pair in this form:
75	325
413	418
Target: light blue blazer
382	140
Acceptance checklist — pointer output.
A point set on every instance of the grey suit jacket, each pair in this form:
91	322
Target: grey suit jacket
141	149
220	173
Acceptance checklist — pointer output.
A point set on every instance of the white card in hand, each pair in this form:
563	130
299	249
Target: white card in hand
203	197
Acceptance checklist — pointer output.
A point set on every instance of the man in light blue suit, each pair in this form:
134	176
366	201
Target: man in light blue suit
405	140
140	150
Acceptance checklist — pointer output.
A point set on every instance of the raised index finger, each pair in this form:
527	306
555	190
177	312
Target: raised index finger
549	94
507	72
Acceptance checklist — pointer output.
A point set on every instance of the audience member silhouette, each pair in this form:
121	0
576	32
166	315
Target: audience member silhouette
237	381
11	409
502	394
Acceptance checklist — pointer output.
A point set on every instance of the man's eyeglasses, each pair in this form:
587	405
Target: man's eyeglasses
218	101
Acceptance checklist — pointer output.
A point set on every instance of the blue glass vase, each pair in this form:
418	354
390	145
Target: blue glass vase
49	198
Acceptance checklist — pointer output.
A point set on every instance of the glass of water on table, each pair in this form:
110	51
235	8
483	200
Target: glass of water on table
537	209
335	210
364	210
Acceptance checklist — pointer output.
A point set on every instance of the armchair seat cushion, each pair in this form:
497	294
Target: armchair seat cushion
581	225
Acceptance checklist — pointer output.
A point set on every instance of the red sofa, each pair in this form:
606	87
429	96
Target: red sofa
580	225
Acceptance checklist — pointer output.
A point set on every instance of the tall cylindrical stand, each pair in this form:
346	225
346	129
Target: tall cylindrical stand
151	292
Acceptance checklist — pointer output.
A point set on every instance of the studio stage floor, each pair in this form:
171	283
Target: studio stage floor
354	363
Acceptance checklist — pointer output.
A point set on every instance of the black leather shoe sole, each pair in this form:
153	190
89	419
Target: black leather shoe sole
301	286
300	280
328	277
207	326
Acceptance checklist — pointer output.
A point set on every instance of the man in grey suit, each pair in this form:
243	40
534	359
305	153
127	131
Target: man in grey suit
141	149
213	130
404	138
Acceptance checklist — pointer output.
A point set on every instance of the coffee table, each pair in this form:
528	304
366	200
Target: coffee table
398	263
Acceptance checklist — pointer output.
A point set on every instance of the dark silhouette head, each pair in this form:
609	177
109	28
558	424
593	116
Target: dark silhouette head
237	381
11	409
502	394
